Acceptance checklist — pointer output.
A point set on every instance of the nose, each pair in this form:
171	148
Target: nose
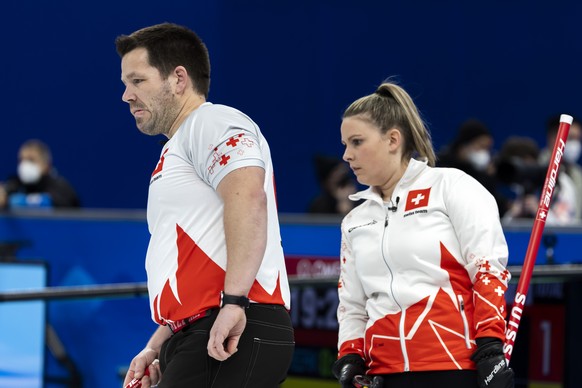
128	95
347	156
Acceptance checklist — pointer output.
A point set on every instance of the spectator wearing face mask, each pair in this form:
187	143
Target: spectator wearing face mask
470	151
37	183
570	162
519	169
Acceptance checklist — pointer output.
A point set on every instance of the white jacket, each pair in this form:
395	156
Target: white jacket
420	283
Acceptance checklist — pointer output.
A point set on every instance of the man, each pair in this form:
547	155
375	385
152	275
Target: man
37	183
215	239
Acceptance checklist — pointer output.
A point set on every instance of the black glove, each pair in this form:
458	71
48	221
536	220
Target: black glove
492	370
369	381
346	368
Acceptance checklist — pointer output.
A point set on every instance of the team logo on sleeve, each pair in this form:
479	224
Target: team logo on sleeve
417	199
230	150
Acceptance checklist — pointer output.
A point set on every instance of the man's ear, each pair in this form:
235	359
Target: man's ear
182	79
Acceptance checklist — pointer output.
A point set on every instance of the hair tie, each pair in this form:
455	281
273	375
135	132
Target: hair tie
383	92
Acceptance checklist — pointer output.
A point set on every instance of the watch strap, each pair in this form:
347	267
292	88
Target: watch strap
241	301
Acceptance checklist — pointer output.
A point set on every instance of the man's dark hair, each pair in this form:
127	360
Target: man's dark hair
168	46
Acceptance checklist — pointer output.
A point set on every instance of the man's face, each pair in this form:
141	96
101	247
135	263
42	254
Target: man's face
151	99
33	155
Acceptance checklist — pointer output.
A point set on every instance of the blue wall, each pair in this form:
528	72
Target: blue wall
291	65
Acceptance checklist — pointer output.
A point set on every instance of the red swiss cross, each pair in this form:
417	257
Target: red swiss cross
233	140
505	275
417	198
486	266
224	160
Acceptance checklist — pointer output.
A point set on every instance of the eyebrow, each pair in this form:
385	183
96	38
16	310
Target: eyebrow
354	135
132	75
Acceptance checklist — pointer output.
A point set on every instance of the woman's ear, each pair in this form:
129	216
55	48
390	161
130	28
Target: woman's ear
394	137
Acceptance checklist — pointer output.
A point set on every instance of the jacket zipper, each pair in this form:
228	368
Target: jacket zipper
403	313
465	322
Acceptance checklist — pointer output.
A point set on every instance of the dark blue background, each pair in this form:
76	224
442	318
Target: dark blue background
293	66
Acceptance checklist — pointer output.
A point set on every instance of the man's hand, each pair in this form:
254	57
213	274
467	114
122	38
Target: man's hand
492	370
226	331
347	367
147	358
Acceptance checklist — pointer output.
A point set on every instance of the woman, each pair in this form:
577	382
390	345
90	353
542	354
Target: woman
422	259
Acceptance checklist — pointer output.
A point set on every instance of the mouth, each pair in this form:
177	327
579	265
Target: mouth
136	110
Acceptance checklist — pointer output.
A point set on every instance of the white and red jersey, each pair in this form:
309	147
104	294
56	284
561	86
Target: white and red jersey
186	257
420	282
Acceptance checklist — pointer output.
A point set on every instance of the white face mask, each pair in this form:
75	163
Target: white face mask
29	172
572	151
480	159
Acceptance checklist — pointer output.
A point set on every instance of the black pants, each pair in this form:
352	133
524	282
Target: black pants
436	379
264	353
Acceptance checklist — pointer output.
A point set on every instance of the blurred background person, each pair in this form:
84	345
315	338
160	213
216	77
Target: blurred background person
569	164
471	151
519	170
336	183
37	183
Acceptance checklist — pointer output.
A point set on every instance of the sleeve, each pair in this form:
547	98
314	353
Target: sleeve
351	313
225	143
475	218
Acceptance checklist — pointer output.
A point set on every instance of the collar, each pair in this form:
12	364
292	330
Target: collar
415	167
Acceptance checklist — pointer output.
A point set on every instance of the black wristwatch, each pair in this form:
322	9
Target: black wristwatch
241	301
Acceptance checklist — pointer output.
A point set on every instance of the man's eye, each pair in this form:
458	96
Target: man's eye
137	81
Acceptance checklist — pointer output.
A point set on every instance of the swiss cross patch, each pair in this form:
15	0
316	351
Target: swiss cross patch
417	198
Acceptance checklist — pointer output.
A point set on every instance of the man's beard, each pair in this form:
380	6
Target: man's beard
164	110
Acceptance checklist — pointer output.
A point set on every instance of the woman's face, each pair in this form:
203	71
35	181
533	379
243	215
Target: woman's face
373	156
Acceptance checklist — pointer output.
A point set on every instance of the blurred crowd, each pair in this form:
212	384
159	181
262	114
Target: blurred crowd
514	172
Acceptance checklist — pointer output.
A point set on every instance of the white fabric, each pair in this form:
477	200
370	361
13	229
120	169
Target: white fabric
394	260
213	141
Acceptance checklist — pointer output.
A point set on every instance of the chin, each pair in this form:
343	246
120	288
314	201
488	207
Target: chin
363	181
149	131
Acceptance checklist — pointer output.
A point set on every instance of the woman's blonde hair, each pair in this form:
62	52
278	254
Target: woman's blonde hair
391	107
